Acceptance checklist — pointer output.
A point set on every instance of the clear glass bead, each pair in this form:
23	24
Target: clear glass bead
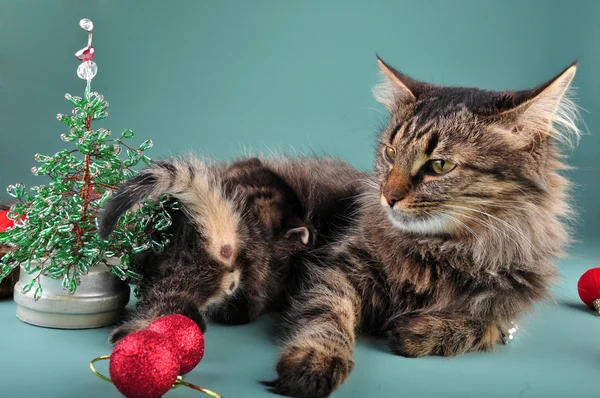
87	70
86	25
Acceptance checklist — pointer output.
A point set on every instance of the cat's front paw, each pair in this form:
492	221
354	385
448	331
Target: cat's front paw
309	372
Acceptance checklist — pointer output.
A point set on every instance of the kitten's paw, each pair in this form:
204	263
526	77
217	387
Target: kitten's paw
191	311
127	328
305	372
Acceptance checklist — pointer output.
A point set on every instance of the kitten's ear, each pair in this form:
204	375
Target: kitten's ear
395	87
545	111
301	234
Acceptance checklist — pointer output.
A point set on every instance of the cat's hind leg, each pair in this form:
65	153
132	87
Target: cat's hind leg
442	334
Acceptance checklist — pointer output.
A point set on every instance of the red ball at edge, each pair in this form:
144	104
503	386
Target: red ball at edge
144	365
588	286
186	337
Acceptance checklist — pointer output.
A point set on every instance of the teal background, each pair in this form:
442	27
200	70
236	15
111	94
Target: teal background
224	78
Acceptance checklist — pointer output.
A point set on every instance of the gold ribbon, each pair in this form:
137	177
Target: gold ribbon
178	383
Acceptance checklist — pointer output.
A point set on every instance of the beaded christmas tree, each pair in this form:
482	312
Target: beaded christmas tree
54	232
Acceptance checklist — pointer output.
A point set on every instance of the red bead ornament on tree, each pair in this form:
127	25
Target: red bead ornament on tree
85	54
150	362
588	288
88	68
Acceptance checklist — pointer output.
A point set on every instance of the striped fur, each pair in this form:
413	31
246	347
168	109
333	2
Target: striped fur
198	187
455	258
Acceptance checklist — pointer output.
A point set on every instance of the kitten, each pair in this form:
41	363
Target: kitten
455	233
232	242
273	200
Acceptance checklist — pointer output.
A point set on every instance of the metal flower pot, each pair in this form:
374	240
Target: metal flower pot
97	302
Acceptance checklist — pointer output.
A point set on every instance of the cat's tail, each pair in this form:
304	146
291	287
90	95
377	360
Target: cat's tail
191	182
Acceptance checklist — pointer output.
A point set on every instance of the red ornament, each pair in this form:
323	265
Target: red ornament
148	363
186	337
589	288
86	54
5	222
144	365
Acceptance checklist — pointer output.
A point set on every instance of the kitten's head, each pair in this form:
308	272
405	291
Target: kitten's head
463	161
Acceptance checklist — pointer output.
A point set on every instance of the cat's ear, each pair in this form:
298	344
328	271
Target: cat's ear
299	234
395	88
545	111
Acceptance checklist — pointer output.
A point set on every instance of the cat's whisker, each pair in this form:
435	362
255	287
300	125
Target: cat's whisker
464	225
506	224
510	209
499	236
372	109
501	203
495	230
368	182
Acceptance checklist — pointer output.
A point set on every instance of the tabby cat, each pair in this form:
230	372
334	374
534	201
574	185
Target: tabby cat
454	235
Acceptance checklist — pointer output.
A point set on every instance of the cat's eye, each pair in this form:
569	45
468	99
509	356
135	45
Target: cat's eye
390	154
441	166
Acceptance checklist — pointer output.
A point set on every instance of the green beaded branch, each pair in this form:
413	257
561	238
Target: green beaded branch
55	231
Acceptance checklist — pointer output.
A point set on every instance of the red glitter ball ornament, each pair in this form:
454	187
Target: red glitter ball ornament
186	337
588	288
86	54
144	365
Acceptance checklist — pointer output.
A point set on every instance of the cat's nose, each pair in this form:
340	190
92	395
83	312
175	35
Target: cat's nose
392	198
396	187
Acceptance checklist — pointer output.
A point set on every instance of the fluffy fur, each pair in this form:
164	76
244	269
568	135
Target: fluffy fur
232	242
440	264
